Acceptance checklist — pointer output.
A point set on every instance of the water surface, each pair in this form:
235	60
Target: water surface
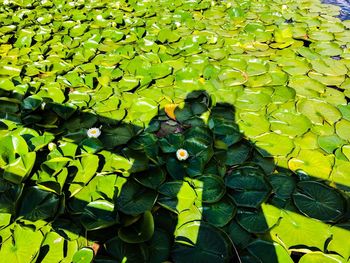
344	5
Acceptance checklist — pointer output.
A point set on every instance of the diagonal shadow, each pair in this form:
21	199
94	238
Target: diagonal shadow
127	157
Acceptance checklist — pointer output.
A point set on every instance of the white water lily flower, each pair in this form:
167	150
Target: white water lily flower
52	146
43	105
182	154
93	132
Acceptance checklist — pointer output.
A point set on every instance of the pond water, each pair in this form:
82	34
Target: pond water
344	5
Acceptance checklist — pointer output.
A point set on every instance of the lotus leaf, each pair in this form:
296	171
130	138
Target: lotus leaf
40	205
232	77
334	97
345	111
329	67
177	195
55	243
151	178
307	141
321	35
282	185
282	94
327	80
237	154
294	66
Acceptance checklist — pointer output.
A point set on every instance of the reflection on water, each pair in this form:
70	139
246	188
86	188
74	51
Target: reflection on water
344	5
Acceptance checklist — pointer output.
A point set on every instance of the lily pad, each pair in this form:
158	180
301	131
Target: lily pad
343	129
265	251
84	255
17	245
289	123
98	214
211	245
313	163
140	231
135	199
249	185
254	221
319	201
219	213
271	144
320	257
319	111
252	101
213	188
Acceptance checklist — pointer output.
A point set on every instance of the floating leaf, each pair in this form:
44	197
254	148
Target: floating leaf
320	257
212	190
330	143
124	251
306	86
219	213
38	204
340	241
319	111
177	195
271	144
97	215
84	255
17	249
140	231
135	199
319	201
249	185
295	229
313	163
343	129
159	246
266	251
289	123
209	244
